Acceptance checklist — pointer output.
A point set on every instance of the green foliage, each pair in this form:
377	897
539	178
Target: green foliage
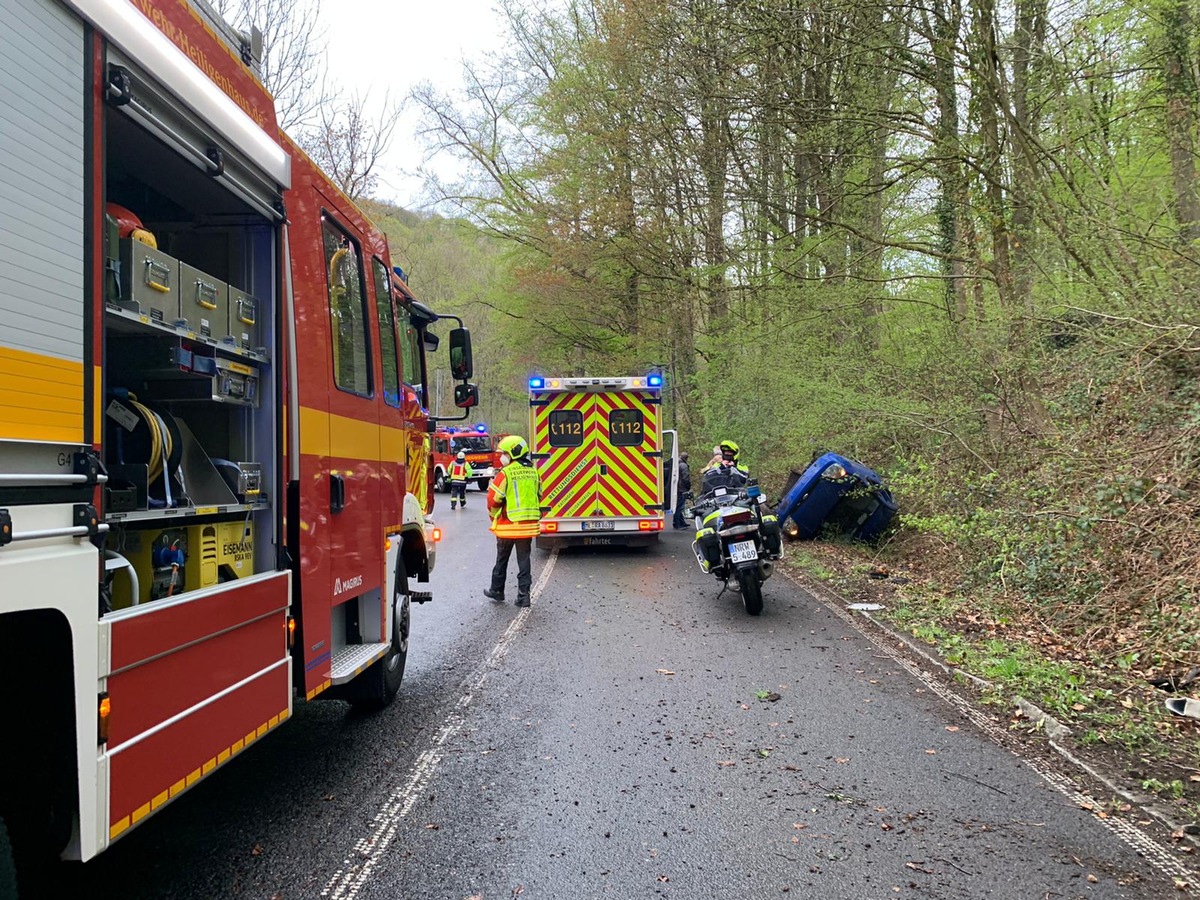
972	269
1172	790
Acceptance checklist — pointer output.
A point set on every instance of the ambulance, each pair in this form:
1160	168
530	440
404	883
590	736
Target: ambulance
606	463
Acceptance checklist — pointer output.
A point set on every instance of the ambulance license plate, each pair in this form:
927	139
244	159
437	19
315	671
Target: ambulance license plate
744	551
599	525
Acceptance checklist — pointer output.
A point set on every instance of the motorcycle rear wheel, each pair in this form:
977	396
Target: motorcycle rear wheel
751	584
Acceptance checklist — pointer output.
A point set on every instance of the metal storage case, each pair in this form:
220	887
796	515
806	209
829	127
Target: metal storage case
243	319
203	302
149	281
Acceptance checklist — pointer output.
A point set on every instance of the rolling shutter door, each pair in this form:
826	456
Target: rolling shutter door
42	224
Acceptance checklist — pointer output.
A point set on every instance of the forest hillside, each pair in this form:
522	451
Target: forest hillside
957	241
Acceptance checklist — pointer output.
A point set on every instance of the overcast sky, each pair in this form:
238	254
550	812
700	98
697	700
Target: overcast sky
406	42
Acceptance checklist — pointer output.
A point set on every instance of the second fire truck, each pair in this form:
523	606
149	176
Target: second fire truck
476	443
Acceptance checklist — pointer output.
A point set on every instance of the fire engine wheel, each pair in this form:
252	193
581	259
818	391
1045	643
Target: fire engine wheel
8	867
439	482
482	483
377	687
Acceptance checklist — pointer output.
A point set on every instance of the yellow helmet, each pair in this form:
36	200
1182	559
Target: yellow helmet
514	446
729	450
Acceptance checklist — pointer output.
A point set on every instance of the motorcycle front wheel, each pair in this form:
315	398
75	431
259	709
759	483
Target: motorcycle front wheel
750	583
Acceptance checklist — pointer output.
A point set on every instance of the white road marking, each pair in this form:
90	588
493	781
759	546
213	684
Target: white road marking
1137	838
360	864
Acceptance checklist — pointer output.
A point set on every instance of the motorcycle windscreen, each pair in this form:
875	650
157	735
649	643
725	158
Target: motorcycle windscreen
628	453
564	445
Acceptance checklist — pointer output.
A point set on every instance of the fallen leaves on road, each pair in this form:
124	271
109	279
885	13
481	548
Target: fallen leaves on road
952	728
726	762
664	671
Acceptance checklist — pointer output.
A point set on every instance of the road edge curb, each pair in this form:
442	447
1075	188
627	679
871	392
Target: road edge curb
1057	734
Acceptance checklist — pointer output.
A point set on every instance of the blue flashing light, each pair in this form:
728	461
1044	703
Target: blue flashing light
654	380
481	428
536	384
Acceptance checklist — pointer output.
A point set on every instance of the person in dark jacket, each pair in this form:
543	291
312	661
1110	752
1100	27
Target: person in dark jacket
684	487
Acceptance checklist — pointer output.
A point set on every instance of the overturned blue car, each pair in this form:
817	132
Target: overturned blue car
837	492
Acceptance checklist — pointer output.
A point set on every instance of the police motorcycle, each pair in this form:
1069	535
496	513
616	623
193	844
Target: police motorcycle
737	538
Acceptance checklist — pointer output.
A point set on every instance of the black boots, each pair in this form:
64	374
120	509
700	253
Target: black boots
498	596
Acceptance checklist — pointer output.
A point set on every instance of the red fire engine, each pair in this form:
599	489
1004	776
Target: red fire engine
213	445
477	443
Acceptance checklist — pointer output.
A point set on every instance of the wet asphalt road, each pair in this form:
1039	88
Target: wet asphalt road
632	735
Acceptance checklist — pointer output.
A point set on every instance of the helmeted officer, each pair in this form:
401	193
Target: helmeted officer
514	501
727	474
460	474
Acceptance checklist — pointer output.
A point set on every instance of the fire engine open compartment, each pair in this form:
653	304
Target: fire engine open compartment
191	290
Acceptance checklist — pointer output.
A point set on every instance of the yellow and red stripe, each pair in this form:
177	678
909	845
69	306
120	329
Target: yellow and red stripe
597	478
568	473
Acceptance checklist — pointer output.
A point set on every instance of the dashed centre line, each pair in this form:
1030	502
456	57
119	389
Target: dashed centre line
358	867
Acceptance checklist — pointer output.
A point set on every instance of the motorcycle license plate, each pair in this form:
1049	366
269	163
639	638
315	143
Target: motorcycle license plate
743	551
599	525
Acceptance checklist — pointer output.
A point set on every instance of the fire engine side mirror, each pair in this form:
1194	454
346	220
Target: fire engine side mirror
461	364
466	396
431	341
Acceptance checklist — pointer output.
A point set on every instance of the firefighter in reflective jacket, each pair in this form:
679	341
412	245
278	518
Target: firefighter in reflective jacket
460	473
514	501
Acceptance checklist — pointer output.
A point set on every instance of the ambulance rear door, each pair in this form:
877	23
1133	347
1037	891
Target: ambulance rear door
625	424
564	448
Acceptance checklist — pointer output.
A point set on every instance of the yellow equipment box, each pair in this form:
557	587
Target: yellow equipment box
212	554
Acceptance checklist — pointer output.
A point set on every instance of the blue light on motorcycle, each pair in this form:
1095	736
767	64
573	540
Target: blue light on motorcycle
753	491
536	384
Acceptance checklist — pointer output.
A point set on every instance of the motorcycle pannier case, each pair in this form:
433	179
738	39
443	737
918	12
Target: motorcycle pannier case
772	539
710	547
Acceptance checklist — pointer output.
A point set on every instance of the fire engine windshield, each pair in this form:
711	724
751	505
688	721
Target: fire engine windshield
471	443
